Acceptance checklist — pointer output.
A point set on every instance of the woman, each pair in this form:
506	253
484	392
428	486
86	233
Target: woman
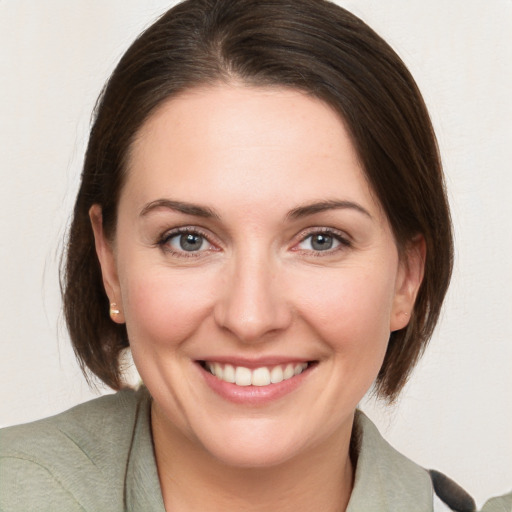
262	220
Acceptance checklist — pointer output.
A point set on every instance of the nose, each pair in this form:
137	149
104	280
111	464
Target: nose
252	304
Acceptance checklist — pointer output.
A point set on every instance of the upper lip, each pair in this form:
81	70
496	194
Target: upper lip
255	362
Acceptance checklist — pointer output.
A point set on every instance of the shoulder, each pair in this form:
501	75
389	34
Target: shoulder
89	428
499	504
384	478
73	461
387	480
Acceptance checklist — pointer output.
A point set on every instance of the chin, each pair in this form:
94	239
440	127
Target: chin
252	444
250	455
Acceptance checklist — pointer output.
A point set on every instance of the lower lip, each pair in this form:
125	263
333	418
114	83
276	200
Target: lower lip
253	395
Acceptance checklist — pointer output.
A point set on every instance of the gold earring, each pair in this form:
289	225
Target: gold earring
113	310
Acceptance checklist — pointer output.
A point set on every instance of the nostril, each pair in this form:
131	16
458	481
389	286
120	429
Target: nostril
252	322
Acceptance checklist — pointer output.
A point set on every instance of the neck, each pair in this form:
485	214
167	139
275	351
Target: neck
321	479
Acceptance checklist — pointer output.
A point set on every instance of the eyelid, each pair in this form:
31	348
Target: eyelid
184	230
341	236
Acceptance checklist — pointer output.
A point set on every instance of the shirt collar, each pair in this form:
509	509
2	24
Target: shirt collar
385	480
142	489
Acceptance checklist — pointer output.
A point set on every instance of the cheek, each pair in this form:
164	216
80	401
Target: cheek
165	307
349	308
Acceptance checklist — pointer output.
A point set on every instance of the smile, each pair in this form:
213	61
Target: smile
261	376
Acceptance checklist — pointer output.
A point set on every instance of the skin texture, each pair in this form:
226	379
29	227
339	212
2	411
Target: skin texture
257	289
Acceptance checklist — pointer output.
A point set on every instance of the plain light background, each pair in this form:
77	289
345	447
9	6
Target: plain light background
455	415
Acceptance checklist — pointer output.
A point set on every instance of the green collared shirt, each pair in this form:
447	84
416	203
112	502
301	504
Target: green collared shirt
99	457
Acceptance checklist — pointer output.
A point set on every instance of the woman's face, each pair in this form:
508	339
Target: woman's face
249	245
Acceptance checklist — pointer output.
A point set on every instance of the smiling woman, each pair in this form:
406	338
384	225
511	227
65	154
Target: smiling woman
262	220
249	276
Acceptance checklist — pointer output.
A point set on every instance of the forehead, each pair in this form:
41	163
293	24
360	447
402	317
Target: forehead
249	144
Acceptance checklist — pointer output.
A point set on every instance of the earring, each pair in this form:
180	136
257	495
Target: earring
113	310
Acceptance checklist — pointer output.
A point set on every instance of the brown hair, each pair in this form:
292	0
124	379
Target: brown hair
310	45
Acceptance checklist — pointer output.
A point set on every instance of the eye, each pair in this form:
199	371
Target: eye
323	241
185	241
319	242
188	242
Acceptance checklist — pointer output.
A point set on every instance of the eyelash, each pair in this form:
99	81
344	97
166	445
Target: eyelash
188	230
338	236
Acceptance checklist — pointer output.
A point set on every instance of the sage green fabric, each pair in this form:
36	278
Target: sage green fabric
95	457
99	457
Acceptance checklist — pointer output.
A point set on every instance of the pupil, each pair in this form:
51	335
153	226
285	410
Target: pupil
191	242
321	242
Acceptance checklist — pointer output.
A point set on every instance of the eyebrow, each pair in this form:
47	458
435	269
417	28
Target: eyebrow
296	213
179	206
322	206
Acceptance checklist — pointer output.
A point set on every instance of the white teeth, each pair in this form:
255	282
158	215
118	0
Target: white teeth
218	370
229	373
276	375
262	376
289	371
243	376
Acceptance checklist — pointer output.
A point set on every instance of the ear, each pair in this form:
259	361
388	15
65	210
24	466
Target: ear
107	260
409	278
